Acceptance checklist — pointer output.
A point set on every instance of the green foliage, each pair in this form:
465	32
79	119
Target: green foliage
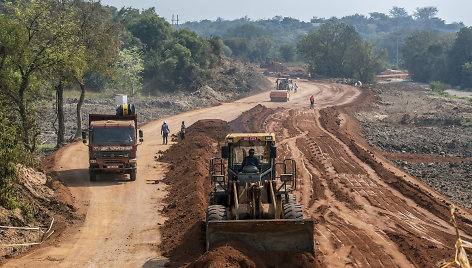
336	50
249	42
39	43
172	59
425	56
128	68
460	59
437	57
438	86
12	152
466	122
385	31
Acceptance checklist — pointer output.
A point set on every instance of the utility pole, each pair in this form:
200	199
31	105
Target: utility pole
176	21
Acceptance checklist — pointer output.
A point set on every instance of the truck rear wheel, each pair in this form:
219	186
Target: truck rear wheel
293	211
132	175
92	175
216	213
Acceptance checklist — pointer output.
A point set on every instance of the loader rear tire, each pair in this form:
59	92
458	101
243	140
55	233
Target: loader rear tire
216	213
293	211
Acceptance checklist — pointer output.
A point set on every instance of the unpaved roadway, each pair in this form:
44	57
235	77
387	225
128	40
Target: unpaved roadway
121	227
367	212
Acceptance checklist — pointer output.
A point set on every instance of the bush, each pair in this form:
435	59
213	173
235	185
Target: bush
11	153
438	86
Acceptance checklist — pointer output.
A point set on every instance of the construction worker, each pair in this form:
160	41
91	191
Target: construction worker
312	102
182	131
295	88
164	132
250	160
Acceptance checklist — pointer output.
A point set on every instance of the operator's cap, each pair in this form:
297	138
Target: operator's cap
251	151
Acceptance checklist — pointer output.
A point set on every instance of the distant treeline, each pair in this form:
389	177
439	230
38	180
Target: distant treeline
281	34
433	56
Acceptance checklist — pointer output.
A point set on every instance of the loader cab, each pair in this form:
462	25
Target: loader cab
238	146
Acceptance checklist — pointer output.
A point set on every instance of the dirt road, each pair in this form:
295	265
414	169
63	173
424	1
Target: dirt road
367	212
121	228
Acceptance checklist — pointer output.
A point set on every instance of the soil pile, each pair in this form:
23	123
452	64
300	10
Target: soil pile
41	198
189	188
236	254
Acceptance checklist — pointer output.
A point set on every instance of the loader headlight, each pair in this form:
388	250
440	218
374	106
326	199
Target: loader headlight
230	140
93	161
268	138
133	161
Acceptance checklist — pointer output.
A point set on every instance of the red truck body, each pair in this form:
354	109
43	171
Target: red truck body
113	142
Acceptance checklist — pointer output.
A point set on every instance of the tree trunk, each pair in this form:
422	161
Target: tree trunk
60	114
23	115
78	133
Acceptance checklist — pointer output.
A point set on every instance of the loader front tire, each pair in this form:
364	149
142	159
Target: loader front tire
293	211
216	213
292	199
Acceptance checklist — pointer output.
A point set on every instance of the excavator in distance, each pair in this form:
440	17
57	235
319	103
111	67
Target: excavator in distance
255	205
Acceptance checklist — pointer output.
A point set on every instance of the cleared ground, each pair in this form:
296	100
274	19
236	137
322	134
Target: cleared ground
368	212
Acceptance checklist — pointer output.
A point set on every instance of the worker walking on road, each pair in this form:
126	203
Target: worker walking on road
312	102
295	88
164	132
182	131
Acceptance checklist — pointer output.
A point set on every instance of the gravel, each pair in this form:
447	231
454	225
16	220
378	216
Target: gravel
412	119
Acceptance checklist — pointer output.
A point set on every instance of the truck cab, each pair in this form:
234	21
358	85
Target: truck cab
113	142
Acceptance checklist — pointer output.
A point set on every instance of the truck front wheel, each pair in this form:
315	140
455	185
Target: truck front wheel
132	175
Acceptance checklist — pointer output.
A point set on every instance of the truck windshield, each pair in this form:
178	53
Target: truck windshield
112	135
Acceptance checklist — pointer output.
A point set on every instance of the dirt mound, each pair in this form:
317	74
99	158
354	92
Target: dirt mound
189	187
41	198
236	254
252	120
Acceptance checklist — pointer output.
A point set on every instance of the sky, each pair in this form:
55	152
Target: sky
196	10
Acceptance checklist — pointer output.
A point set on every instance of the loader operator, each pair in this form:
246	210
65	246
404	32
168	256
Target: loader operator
250	162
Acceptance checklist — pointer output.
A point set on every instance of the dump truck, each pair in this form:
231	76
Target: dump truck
256	204
283	86
113	142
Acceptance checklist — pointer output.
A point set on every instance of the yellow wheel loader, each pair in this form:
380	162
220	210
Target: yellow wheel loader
252	200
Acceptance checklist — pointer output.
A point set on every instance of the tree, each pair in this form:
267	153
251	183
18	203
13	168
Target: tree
336	50
325	50
424	55
151	29
99	35
363	63
425	13
398	12
38	40
288	53
128	69
460	57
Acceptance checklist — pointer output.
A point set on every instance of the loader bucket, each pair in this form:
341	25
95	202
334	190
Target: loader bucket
265	235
